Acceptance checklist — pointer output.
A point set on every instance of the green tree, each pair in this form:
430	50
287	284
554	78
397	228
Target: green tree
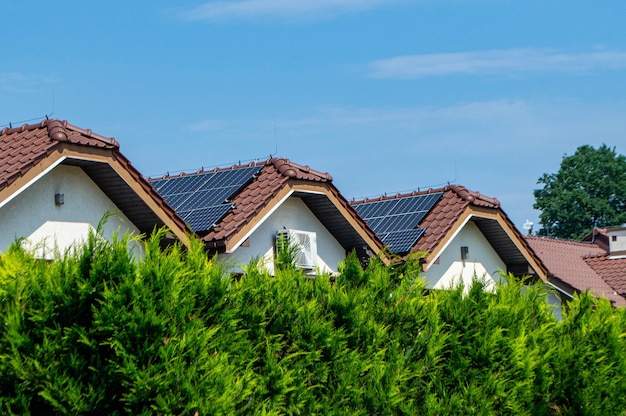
589	190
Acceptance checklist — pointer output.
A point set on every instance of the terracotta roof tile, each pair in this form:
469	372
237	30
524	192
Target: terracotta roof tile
580	265
612	270
252	198
274	174
22	147
443	215
267	183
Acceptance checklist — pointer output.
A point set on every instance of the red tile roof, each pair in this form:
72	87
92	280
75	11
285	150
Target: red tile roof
276	176
612	270
445	212
23	148
272	177
580	265
457	202
448	210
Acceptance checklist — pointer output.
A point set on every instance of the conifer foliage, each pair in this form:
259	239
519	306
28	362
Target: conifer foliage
98	332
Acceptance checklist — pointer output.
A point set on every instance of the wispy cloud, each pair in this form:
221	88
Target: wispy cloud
204	125
282	9
495	62
17	82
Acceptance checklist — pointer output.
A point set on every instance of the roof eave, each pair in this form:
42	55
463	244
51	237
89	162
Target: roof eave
493	214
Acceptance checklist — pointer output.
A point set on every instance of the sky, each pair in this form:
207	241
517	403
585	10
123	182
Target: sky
387	96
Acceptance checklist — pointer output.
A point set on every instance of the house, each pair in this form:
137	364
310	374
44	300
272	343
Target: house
462	233
597	263
57	181
240	212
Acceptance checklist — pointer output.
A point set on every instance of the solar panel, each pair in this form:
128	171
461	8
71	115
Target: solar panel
202	199
205	218
402	241
396	220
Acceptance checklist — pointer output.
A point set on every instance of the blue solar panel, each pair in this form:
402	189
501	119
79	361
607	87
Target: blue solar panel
205	218
402	241
202	199
396	220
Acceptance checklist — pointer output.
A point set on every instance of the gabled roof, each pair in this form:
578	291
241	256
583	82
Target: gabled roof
263	188
30	151
576	267
452	210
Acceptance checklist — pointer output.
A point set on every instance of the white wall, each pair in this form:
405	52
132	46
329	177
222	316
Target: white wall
292	214
33	212
619	245
483	261
554	301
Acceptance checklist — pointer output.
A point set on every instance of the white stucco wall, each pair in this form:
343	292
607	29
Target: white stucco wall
291	214
483	261
554	301
34	215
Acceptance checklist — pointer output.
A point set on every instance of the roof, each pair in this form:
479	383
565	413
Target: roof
29	151
612	270
582	266
458	205
266	185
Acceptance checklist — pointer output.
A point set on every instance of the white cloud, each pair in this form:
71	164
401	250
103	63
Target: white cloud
204	125
17	82
299	9
499	62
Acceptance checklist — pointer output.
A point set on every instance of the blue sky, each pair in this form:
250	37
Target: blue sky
387	96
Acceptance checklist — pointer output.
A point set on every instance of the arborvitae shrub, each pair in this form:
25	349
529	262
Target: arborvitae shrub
98	332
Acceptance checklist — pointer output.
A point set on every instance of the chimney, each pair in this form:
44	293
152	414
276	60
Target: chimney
617	241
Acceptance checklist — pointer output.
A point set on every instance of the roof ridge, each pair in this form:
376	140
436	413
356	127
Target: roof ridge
473	197
24	127
397	196
558	240
87	132
592	256
57	130
204	171
290	169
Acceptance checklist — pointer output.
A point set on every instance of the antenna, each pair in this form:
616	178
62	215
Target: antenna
51	112
528	226
275	143
453	180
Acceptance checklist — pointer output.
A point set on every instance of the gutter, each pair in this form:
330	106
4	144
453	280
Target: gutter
552	285
215	244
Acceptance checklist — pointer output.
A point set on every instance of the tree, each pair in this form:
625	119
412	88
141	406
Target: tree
588	191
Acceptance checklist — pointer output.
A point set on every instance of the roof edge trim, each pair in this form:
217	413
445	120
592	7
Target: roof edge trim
439	250
27	185
260	222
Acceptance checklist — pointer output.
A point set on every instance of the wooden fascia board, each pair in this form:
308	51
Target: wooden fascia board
447	238
180	231
514	236
235	240
487	213
41	168
285	192
73	151
326	189
525	249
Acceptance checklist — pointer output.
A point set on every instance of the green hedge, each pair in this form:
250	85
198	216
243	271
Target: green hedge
97	332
